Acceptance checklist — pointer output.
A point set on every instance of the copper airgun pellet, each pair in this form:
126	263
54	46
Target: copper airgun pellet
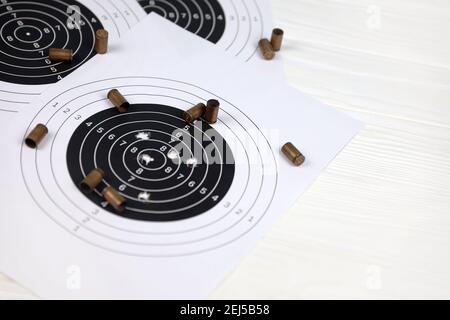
114	198
60	55
36	136
118	100
293	154
277	39
194	113
101	41
212	111
92	180
266	49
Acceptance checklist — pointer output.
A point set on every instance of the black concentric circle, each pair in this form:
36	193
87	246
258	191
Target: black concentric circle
206	18
166	170
29	28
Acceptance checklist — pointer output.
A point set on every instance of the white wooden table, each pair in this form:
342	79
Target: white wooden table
376	224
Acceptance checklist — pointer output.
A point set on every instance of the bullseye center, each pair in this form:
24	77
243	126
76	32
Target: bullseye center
28	34
152	159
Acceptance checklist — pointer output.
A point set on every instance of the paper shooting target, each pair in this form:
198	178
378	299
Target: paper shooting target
29	28
181	200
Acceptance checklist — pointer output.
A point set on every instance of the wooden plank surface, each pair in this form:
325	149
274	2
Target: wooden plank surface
376	224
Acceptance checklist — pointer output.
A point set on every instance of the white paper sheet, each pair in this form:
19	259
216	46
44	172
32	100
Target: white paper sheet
60	244
29	29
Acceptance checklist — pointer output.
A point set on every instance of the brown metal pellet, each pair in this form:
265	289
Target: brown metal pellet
277	39
266	49
92	180
114	198
212	111
194	113
101	41
118	100
293	154
60	55
36	136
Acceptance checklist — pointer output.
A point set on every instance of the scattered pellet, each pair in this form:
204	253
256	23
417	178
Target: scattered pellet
114	198
277	39
60	55
118	100
92	180
293	154
36	136
194	113
266	49
212	111
101	41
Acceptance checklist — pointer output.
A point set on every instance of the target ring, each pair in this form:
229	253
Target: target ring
30	28
28	34
239	210
152	159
